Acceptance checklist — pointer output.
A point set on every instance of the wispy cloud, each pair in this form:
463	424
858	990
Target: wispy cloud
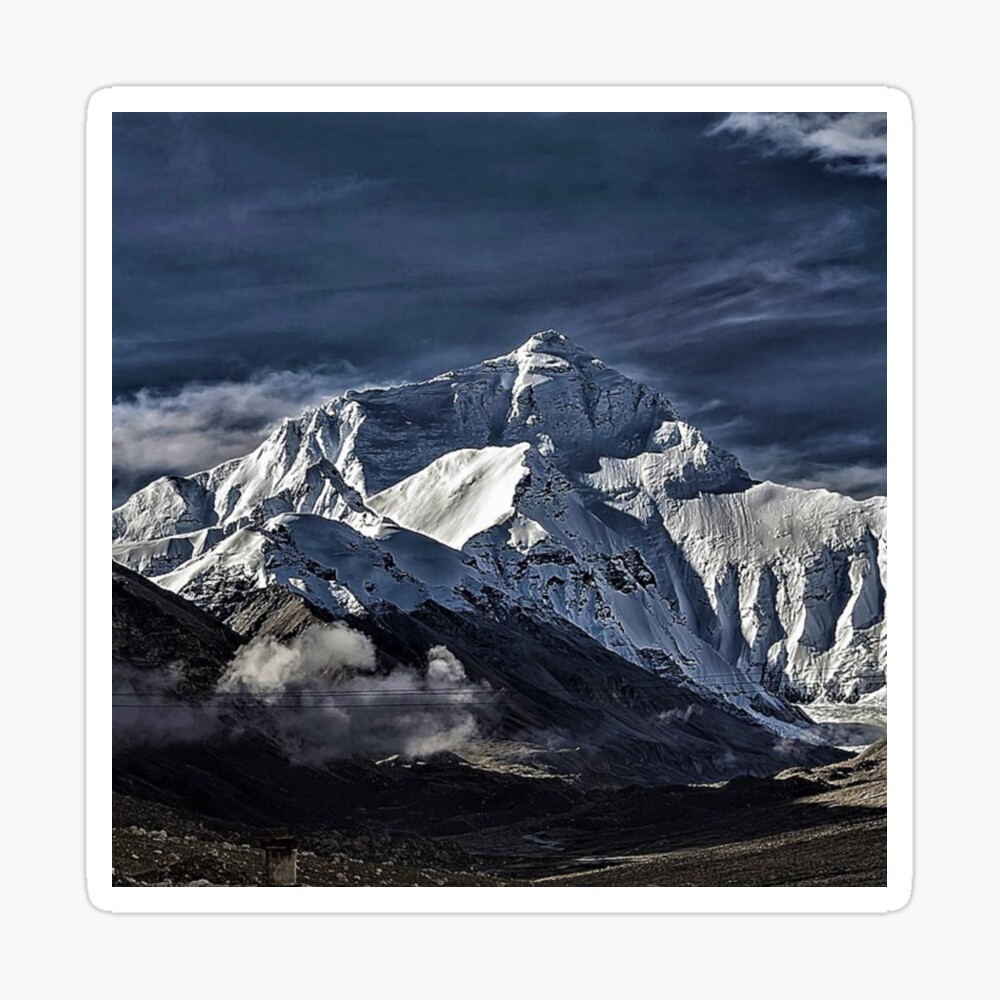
851	142
781	464
200	425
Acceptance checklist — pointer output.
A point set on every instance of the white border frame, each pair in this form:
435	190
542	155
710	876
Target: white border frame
507	98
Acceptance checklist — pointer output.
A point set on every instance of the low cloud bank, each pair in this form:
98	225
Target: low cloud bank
322	697
147	712
202	424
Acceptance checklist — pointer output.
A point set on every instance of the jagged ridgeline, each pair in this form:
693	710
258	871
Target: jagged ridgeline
539	487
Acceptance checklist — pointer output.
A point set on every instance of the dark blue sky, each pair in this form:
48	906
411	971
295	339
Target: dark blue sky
263	262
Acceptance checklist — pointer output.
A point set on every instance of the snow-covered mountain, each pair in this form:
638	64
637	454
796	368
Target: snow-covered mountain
546	481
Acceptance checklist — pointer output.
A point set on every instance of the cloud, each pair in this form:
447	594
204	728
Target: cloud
320	696
133	723
324	697
791	467
267	667
858	481
197	426
852	142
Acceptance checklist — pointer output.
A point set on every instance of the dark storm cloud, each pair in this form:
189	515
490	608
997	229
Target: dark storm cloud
366	249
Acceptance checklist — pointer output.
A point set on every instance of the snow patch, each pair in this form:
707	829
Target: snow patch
458	495
525	533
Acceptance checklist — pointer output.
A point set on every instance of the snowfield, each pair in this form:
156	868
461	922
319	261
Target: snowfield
458	495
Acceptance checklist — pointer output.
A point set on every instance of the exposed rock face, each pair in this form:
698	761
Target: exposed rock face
153	630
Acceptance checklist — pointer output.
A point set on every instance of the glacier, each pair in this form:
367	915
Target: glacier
547	481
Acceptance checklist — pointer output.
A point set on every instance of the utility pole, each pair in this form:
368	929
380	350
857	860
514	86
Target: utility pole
280	858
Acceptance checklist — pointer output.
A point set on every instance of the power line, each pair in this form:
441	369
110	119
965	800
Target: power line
285	703
658	683
336	698
315	692
441	697
291	705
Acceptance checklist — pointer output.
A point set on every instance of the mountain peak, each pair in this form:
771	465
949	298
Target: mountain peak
546	337
555	343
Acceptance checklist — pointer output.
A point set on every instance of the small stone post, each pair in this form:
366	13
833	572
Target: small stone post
280	858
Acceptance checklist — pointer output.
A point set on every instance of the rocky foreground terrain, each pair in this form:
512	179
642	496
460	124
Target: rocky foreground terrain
819	827
829	830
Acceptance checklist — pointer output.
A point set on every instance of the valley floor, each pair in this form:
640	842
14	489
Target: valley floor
845	854
819	827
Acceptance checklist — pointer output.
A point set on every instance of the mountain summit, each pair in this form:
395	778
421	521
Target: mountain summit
548	393
540	483
553	342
